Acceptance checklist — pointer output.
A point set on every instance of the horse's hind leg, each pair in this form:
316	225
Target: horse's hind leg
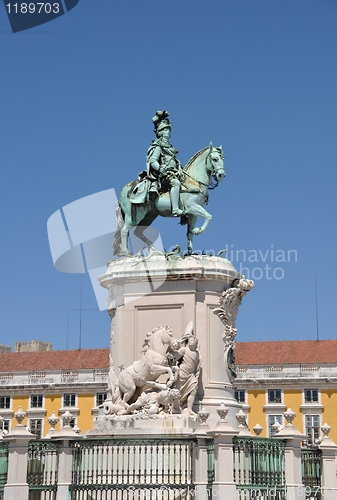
128	224
126	386
128	395
142	226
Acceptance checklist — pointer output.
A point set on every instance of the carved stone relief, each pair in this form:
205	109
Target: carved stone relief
230	301
137	391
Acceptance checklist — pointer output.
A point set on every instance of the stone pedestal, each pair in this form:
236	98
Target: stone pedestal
162	290
223	485
328	480
200	460
293	468
17	487
65	467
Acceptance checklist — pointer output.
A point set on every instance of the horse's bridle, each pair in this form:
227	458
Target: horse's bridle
214	171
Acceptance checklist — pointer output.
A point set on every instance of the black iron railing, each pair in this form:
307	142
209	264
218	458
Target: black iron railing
311	473
3	466
110	469
42	470
259	470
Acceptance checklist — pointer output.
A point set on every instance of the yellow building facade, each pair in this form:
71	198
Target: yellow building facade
43	383
301	375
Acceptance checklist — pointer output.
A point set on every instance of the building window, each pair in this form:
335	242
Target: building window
5	402
240	396
272	419
274	396
35	425
100	398
312	428
36	401
6	425
69	400
311	395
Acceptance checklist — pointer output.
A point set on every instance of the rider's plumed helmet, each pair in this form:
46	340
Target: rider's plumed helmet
161	121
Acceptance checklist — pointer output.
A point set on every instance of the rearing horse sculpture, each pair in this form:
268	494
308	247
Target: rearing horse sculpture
144	372
206	165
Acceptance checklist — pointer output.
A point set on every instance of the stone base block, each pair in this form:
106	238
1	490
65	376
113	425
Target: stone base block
130	425
16	491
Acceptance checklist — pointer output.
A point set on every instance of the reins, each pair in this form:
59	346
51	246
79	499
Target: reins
211	185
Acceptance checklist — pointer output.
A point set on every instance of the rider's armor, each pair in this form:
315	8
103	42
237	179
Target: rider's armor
165	170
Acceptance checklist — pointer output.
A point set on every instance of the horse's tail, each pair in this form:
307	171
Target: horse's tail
117	244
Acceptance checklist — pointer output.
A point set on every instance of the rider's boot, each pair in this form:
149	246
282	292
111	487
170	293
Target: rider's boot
174	194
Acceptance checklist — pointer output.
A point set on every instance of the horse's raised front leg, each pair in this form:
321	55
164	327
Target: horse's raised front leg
198	211
160	369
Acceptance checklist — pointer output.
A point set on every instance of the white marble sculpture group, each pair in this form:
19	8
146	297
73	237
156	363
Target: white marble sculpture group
137	390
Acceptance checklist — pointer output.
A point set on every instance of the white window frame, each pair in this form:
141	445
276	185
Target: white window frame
10	403
317	427
311	408
275	402
273	408
69	394
312	402
36	407
270	432
31	419
7	427
100	393
74	410
245	396
36	412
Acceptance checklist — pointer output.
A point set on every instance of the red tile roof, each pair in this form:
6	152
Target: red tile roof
286	352
246	353
54	360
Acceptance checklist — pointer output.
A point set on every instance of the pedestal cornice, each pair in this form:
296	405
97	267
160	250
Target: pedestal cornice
159	266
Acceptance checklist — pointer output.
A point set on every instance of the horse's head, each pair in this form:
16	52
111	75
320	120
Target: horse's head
215	163
170	340
164	336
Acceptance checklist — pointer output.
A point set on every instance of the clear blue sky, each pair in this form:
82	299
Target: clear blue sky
257	76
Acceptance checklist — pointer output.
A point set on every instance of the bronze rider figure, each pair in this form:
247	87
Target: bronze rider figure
164	170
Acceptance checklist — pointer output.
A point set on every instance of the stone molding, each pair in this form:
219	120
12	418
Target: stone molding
159	264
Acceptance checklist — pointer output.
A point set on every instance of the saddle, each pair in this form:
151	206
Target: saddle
140	193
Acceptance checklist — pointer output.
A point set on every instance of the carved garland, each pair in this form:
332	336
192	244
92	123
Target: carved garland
230	301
